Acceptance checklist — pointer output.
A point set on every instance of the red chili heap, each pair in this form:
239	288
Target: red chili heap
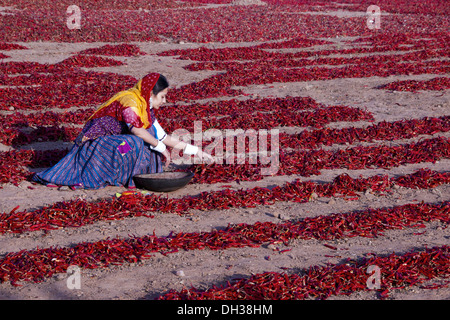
125	50
36	265
439	83
77	213
320	282
310	162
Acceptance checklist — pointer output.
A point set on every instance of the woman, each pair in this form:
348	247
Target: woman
120	140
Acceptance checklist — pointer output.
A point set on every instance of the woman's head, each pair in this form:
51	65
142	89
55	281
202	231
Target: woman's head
159	92
160	85
154	86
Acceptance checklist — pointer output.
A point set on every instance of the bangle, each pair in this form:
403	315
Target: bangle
160	147
190	149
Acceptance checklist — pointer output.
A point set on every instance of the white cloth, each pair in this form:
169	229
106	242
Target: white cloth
190	149
160	147
159	131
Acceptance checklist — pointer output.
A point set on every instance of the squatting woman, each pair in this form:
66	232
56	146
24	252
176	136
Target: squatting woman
121	139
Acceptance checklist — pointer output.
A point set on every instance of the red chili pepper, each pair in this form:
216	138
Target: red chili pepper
83	212
102	253
341	279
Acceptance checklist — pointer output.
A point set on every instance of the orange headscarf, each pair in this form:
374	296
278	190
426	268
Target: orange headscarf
136	98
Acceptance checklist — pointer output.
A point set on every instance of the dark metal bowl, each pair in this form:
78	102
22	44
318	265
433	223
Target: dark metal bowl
163	182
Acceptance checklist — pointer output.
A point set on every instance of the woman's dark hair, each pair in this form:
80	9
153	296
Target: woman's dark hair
160	85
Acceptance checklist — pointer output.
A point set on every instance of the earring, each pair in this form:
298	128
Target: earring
151	106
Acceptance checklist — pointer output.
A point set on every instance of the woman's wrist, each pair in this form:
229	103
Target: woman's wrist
190	149
160	147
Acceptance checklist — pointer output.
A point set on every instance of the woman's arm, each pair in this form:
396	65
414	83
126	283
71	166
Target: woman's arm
174	142
147	137
170	142
181	145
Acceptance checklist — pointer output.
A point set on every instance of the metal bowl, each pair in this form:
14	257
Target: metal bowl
163	181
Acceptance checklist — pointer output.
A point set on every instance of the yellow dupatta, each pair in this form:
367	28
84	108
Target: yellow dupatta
131	98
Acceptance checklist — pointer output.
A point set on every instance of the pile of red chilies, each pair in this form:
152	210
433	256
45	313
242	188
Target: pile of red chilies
274	21
10	133
64	87
11	46
119	50
84	61
396	42
174	112
13	163
29	68
431	7
258	120
269	67
221	84
78	212
303	162
307	163
88	5
65	80
293	61
36	265
234	107
383	130
46	118
397	271
15	137
438	83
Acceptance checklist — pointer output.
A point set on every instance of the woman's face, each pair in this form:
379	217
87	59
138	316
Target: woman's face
159	99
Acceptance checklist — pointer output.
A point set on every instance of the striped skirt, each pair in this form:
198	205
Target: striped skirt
106	161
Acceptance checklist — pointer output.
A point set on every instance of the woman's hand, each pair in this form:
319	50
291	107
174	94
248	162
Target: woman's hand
166	155
180	145
147	137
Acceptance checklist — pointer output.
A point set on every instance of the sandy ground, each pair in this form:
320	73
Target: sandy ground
150	278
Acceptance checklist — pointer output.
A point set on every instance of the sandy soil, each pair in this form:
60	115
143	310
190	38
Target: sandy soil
150	278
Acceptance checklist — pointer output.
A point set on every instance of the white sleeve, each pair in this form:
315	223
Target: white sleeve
159	131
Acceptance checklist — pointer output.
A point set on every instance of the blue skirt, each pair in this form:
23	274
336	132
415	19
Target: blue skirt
106	161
